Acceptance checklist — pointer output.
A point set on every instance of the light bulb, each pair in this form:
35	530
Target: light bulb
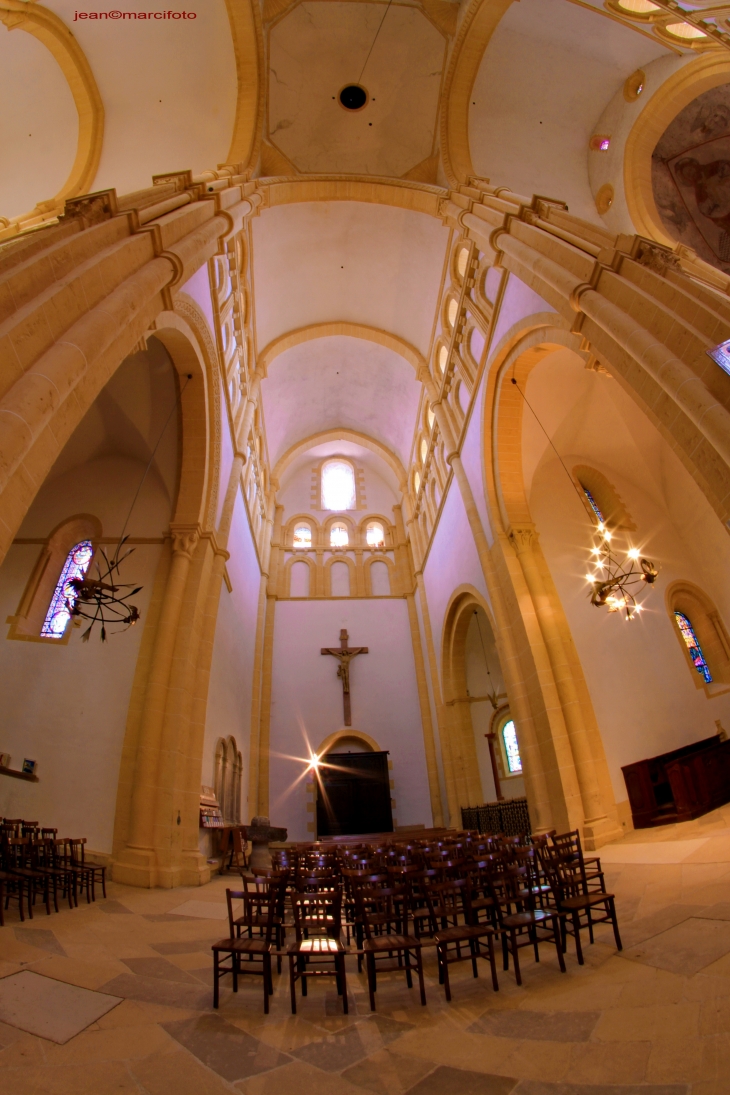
633	553
314	761
589	577
606	535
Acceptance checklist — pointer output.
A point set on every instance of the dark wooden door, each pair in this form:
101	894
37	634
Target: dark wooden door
354	795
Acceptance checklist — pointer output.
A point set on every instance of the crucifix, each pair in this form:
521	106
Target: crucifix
345	655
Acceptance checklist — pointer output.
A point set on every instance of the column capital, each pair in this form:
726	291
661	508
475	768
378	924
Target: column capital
523	539
184	539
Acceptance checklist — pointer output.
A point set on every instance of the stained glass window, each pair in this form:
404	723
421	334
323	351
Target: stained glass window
693	645
593	504
511	748
302	536
64	595
339	536
374	534
338	485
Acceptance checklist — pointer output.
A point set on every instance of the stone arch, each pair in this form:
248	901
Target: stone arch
392	573
300	557
328	573
340	327
328	744
343	434
687	598
463	783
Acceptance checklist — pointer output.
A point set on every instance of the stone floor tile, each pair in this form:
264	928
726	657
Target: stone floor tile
50	1009
686	948
645	1024
591	1063
119	1043
539	1087
43	938
174	1074
228	1050
444	1080
189	946
387	1073
298	1078
103	1078
160	969
156	991
542	1026
338	1051
88	975
110	907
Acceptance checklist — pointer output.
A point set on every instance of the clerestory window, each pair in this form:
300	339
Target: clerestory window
65	594
338	485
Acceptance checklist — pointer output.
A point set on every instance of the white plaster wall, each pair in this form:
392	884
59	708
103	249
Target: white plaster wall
518	301
231	677
296	487
38	127
645	696
65	706
316	262
545	78
307	701
169	89
452	562
340	381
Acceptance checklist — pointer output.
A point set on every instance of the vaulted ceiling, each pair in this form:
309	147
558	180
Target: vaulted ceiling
345	293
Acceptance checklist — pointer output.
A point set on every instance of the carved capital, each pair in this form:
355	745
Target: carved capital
656	257
523	539
92	209
184	539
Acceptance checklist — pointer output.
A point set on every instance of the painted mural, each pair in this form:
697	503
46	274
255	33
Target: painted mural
691	176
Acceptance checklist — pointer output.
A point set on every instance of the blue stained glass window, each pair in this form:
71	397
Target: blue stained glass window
693	645
64	596
593	504
511	748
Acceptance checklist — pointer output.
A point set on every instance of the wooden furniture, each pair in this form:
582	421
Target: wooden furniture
318	950
388	945
454	927
678	786
247	954
571	899
354	794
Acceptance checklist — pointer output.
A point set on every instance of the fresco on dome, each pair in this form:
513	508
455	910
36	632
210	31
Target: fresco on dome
691	176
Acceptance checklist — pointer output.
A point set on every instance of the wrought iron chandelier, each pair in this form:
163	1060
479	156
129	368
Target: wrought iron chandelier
98	599
618	586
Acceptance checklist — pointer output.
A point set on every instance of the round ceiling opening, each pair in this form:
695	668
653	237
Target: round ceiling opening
353	97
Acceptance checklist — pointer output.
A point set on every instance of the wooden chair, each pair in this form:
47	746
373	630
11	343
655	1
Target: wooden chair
93	870
571	898
18	865
44	859
318	927
247	951
385	914
519	922
455	927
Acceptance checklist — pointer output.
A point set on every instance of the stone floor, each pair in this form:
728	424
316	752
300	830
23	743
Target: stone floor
653	1020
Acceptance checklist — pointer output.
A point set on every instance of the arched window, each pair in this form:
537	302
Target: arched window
424	449
443	358
65	595
374	534
593	504
302	536
338	485
339	536
693	645
430	417
416	483
511	748
228	772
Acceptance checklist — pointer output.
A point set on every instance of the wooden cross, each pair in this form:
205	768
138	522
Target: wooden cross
345	655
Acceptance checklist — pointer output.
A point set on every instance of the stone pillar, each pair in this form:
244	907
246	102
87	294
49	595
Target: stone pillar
429	744
136	863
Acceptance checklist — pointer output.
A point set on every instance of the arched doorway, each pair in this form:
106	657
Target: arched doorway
353	787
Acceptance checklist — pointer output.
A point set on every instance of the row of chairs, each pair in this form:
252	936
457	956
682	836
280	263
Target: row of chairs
35	864
516	895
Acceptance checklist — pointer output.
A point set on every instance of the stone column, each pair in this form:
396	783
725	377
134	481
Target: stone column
136	863
266	675
429	744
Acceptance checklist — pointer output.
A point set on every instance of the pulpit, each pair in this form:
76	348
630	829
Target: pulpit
679	785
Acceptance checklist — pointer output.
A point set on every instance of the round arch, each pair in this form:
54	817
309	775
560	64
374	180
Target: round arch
706	72
340	327
327	744
343	434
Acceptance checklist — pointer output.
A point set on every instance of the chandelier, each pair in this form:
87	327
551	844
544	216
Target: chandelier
98	599
617	585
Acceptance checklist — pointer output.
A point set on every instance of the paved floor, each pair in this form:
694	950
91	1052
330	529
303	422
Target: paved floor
654	1020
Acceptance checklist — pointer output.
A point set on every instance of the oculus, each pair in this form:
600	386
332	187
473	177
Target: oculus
353	97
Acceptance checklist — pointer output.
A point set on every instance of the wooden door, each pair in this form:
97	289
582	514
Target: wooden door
354	795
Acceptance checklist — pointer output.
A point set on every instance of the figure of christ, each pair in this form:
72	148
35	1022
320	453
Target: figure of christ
344	655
